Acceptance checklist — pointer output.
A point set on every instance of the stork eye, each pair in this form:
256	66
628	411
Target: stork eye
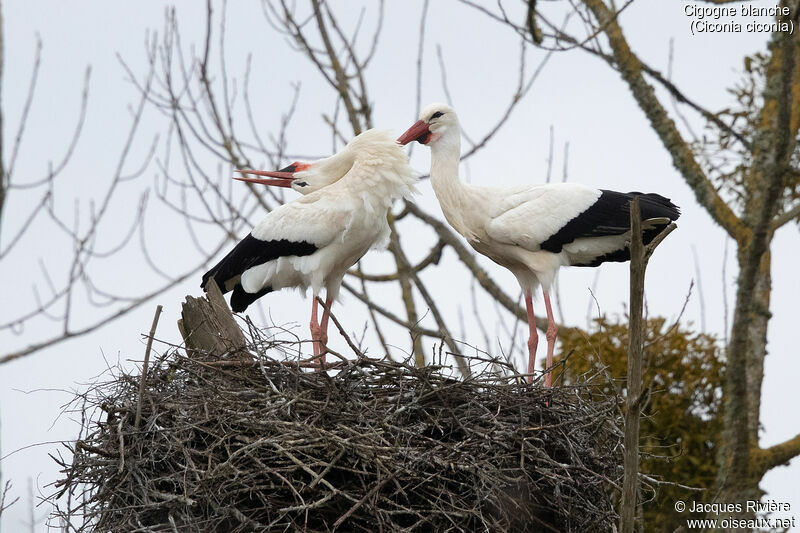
300	183
436	115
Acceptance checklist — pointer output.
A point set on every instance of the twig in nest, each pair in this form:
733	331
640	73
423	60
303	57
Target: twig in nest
159	308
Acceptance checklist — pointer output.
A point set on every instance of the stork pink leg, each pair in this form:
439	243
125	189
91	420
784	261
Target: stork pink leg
533	339
315	329
324	327
552	332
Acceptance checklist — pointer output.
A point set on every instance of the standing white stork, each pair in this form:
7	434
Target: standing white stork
533	230
313	240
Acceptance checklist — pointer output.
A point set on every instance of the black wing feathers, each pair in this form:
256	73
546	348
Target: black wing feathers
251	252
610	215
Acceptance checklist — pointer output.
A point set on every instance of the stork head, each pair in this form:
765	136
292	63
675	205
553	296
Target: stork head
371	148
305	178
434	122
289	176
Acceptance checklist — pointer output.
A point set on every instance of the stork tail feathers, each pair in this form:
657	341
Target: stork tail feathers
240	298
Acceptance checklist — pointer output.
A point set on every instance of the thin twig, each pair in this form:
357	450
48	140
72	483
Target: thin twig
143	379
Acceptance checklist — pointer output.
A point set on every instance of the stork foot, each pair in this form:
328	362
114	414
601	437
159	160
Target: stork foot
551	335
319	340
533	342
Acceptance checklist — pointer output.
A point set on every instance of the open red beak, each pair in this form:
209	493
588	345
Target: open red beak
280	178
419	132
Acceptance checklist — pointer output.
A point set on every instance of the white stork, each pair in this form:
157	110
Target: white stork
313	240
533	230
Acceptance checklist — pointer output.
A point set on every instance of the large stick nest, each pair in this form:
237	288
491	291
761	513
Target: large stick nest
368	446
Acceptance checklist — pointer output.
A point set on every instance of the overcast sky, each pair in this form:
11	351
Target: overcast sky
610	146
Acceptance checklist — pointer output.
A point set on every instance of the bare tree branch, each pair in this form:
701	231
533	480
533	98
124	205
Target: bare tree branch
631	68
780	454
787	216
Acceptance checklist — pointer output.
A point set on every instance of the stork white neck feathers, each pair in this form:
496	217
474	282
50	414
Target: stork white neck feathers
379	169
372	161
442	132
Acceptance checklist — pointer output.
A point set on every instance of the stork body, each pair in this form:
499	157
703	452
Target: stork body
313	240
533	230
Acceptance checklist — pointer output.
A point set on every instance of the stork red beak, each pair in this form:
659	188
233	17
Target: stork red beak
281	178
419	132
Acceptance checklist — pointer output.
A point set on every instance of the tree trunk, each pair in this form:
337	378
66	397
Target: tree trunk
738	486
758	343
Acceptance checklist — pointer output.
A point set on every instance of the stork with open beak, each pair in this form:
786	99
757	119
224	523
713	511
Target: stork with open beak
533	230
313	240
304	178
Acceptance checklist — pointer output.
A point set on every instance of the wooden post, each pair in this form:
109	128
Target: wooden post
634	383
209	329
640	255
